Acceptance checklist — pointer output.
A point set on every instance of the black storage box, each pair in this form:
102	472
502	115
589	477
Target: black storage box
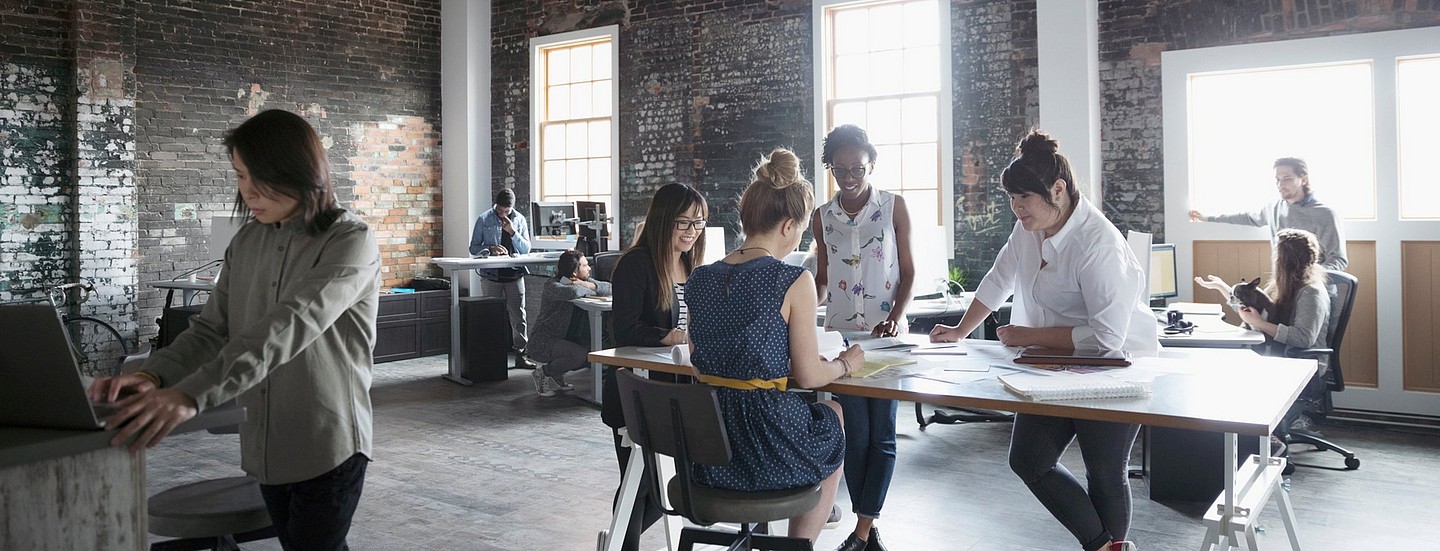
484	338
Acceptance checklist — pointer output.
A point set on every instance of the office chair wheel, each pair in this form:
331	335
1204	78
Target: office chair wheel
1352	463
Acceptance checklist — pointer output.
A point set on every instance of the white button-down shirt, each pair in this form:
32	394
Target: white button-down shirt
1091	282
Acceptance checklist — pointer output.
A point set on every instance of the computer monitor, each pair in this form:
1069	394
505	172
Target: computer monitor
1163	280
222	230
552	220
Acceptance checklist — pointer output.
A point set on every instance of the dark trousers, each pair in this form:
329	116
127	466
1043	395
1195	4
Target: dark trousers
314	515
869	451
1096	512
647	507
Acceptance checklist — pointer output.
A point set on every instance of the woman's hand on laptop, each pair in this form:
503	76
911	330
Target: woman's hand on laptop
108	390
149	417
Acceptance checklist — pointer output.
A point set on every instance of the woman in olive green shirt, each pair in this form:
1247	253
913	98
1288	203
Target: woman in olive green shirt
288	333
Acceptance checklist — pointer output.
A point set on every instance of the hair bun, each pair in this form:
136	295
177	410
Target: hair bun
780	169
1038	143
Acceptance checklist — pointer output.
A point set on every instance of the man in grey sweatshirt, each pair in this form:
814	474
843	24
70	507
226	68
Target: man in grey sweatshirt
1297	208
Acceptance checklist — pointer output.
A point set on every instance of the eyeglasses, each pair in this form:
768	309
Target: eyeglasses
857	172
682	224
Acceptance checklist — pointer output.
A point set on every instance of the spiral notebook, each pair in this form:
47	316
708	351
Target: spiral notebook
1072	386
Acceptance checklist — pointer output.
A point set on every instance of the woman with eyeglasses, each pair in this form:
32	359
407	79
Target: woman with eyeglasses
649	308
864	274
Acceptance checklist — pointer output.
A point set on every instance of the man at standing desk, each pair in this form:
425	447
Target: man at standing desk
501	231
1298	209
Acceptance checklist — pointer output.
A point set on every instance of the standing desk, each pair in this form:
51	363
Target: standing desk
1211	331
595	308
453	267
1230	391
188	289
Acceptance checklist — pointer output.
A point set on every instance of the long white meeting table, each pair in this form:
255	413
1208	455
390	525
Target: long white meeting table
453	267
1231	391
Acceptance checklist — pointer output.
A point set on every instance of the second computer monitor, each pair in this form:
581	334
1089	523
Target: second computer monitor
1164	282
552	220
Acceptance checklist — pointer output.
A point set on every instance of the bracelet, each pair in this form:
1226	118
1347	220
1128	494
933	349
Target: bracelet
845	363
153	378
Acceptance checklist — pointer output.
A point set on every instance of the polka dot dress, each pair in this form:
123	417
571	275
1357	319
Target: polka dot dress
777	439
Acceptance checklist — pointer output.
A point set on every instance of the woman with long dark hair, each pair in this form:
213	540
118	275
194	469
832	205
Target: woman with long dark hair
649	308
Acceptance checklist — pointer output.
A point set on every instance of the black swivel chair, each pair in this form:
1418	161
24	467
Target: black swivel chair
605	264
683	421
1315	400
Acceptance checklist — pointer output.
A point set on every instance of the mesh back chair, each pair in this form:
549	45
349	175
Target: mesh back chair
683	421
1316	398
605	264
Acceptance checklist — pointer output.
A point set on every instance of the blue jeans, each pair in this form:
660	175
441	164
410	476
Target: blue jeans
869	451
316	513
1096	513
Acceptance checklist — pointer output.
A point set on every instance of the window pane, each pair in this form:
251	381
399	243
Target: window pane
886	71
600	104
552	180
851	33
885	29
1419	116
884	121
887	167
919	118
850	112
921	28
580	100
924	212
852	76
921	166
600	60
1241	122
599	139
580	64
576	177
559	103
554	141
577	142
600	176
922	69
558	62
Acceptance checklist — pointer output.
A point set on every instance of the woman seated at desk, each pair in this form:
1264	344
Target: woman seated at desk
1076	285
753	329
548	343
1301	315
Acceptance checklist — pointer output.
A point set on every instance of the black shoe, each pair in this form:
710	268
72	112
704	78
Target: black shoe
874	543
853	543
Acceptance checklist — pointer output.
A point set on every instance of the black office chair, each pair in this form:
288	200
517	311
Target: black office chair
605	264
1315	400
683	421
959	416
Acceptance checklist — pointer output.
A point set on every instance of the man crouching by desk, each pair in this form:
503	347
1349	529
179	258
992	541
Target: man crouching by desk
287	332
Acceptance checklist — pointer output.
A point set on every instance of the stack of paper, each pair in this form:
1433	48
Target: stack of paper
1072	386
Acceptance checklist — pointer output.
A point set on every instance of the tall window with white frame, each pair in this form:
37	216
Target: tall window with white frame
1418	115
882	70
573	106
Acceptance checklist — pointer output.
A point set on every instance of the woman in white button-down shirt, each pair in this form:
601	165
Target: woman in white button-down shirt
1075	285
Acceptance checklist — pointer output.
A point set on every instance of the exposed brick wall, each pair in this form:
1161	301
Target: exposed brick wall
397	185
131	100
1132	36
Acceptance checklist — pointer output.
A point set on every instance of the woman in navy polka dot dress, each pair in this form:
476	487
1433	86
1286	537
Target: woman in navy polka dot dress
752	332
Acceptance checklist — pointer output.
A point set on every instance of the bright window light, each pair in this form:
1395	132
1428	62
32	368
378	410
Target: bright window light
1418	114
883	74
575	121
1240	122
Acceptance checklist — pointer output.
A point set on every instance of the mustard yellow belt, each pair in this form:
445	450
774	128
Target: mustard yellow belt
747	384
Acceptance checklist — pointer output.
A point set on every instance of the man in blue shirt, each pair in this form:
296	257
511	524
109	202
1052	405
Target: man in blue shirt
503	231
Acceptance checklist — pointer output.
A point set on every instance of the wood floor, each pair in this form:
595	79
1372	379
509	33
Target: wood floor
495	467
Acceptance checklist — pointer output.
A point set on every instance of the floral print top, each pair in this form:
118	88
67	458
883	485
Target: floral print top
863	265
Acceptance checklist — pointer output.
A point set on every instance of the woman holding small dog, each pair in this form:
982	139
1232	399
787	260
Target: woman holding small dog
1300	317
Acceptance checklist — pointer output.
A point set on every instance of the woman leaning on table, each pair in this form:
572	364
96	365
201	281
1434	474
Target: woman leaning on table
649	308
1076	285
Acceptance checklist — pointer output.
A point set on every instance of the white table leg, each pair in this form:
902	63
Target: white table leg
597	342
457	355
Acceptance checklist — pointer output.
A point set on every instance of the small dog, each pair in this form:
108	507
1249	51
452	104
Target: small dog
1248	293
